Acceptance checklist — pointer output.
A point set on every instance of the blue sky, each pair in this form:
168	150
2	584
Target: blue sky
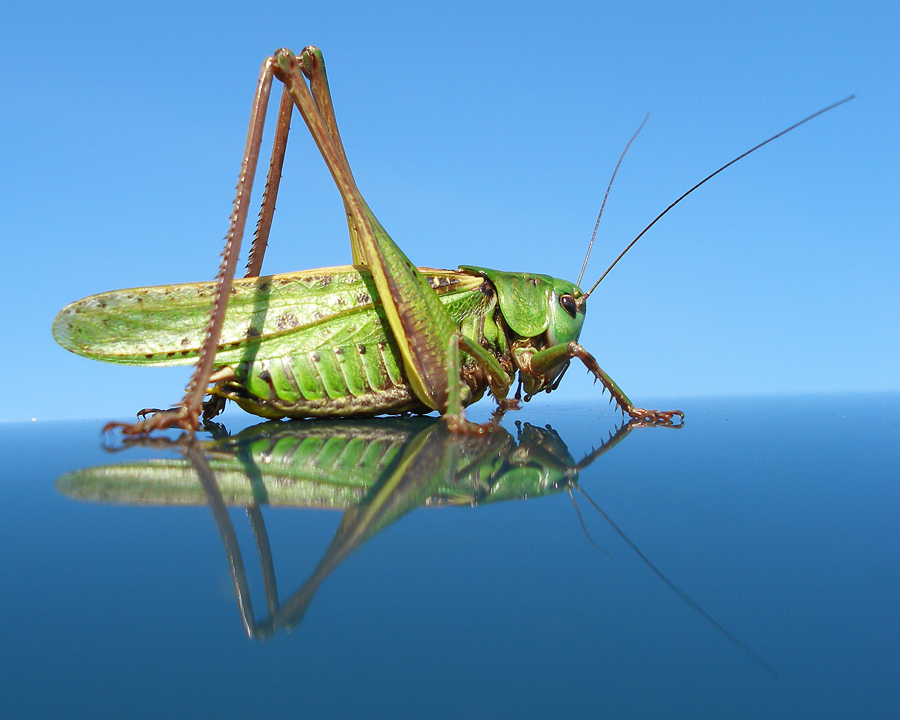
480	133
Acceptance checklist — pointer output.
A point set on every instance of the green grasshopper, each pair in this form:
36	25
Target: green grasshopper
378	337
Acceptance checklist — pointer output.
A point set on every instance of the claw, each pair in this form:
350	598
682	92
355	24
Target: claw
655	418
143	413
155	420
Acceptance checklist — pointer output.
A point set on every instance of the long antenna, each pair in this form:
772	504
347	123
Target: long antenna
606	195
584	297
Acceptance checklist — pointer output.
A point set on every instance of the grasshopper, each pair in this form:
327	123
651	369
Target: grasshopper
378	337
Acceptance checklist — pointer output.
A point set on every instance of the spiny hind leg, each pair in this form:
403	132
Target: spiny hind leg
304	78
312	107
187	415
312	65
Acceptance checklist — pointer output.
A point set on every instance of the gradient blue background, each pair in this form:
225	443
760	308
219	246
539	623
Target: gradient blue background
479	134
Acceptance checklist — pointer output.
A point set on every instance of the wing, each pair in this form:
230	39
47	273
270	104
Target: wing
165	325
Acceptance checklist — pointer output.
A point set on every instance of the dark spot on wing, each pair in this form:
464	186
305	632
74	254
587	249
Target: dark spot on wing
288	320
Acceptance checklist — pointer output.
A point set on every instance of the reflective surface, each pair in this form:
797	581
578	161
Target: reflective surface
746	565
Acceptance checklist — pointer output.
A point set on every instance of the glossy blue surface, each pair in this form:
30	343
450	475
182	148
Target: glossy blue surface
777	517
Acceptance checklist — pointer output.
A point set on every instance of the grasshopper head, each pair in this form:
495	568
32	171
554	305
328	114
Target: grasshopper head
544	313
565	318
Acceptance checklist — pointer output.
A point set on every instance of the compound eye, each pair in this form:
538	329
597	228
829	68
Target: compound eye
568	303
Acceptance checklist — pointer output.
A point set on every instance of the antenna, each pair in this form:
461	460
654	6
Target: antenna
605	196
580	301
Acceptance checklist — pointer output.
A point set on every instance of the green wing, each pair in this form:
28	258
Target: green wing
165	325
